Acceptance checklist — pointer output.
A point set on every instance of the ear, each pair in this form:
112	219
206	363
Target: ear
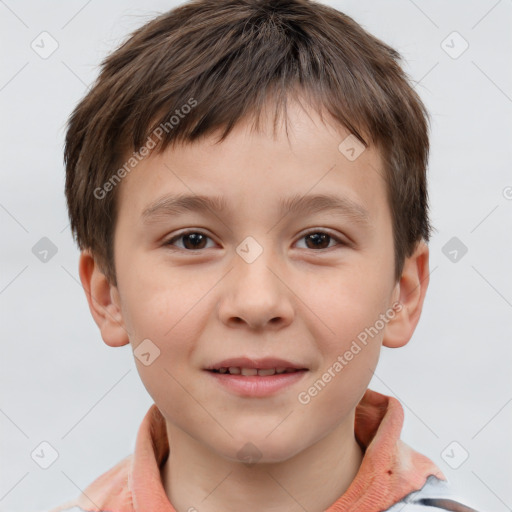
104	301
409	293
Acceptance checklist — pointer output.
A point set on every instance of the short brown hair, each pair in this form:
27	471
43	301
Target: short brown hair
229	57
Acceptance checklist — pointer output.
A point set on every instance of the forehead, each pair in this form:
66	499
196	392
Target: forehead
302	160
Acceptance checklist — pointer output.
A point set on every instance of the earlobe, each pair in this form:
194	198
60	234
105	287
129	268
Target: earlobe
410	293
103	300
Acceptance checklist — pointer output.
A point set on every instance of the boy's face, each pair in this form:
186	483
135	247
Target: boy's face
303	299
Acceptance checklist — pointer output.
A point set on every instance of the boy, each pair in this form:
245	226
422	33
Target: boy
247	183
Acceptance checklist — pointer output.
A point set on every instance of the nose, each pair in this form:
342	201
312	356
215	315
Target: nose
255	295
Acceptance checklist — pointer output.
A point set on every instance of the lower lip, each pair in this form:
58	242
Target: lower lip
256	386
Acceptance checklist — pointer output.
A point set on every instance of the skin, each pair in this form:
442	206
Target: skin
295	301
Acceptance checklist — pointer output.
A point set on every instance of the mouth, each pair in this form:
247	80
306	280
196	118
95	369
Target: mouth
261	372
250	377
249	366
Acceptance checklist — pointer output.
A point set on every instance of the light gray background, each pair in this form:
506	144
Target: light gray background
61	384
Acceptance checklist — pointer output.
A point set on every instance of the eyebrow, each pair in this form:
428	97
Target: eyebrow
172	205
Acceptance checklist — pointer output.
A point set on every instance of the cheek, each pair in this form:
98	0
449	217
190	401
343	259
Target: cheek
164	322
333	395
173	336
346	308
160	299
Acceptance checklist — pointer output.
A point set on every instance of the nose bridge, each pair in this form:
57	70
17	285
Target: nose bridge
252	262
253	293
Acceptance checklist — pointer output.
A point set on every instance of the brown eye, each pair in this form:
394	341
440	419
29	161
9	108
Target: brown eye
320	240
192	240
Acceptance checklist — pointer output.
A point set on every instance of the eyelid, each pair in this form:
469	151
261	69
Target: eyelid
328	231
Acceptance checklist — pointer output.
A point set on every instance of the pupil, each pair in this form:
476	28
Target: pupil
195	238
318	238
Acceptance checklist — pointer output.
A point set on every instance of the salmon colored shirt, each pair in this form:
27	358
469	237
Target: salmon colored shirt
390	470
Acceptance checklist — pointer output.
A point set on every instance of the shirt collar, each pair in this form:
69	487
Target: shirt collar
390	469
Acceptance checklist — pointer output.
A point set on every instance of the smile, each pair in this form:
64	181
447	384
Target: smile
255	382
235	370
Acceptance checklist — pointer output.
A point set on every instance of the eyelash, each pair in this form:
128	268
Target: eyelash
169	242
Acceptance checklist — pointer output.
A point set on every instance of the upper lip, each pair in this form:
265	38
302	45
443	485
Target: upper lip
248	362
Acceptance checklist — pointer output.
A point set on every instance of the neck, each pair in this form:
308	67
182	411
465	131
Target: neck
195	478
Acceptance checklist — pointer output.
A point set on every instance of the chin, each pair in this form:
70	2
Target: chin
254	449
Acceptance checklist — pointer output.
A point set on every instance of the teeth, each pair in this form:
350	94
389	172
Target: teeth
267	371
249	371
235	370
